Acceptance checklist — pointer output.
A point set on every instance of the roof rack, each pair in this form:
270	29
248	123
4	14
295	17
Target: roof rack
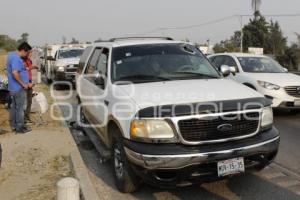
138	38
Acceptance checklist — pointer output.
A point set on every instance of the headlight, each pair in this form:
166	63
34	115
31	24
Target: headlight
61	68
268	86
151	129
267	117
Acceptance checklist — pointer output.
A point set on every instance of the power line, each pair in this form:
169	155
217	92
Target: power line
199	25
275	15
224	19
186	27
213	22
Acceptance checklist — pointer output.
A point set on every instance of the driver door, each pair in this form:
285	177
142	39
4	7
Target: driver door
95	89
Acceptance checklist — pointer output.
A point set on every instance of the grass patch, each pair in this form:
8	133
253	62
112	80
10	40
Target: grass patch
3	58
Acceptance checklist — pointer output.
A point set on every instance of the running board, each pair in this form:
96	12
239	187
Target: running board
100	147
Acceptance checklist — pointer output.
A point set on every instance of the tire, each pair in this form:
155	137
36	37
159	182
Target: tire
125	179
49	81
82	116
82	120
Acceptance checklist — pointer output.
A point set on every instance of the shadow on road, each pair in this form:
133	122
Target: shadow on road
240	187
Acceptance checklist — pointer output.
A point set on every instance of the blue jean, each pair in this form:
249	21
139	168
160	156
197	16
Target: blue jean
18	103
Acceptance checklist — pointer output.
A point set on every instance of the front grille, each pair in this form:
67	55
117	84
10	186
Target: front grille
201	130
71	69
293	90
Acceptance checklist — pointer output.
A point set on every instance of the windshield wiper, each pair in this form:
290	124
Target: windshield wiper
196	74
144	78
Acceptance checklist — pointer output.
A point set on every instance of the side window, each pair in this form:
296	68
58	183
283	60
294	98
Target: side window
217	61
83	59
56	55
102	63
230	62
92	64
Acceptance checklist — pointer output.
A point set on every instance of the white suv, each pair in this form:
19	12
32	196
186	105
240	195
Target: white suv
265	75
63	66
166	116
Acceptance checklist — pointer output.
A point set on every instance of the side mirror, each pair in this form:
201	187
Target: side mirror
99	80
233	70
50	58
285	69
225	70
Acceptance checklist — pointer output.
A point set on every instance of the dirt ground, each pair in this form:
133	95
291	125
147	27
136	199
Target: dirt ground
33	162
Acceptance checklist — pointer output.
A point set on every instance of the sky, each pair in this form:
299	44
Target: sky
87	20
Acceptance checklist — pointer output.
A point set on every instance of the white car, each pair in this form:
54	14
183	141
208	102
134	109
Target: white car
63	66
263	74
164	115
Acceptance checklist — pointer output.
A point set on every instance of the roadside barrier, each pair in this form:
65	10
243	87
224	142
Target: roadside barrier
68	189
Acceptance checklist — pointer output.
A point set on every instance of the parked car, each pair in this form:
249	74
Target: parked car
165	116
263	74
62	62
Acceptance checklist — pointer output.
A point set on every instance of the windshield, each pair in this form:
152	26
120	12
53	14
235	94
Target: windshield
160	62
260	65
70	53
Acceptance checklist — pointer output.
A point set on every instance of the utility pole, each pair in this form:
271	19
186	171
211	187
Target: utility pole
208	45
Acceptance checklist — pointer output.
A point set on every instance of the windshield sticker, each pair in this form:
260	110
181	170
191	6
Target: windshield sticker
128	54
119	62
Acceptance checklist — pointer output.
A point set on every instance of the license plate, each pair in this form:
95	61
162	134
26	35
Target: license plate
232	166
297	102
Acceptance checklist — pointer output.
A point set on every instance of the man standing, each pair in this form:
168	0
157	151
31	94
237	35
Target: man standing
18	83
29	68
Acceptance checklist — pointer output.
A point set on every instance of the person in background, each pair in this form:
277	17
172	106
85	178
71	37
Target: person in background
28	65
18	83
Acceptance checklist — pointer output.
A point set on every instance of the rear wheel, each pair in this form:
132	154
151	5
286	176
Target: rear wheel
125	179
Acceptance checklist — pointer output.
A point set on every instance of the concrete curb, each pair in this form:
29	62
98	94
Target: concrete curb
88	190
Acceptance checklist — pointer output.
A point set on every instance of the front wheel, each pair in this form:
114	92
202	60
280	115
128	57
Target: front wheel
125	179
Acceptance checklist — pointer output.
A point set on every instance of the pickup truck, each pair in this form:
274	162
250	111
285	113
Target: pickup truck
63	65
165	116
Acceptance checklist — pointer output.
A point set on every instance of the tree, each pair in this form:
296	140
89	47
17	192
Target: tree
256	33
8	43
74	41
230	45
24	38
291	57
277	43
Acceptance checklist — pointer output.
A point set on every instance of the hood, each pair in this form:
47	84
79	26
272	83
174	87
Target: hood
187	91
280	79
68	61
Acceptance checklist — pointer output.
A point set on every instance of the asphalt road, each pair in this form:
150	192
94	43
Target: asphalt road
289	126
268	184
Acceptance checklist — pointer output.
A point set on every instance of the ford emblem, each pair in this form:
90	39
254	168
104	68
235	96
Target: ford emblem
225	127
